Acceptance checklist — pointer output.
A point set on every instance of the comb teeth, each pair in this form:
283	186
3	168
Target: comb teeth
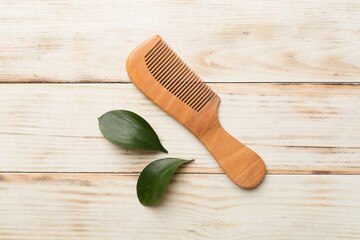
174	75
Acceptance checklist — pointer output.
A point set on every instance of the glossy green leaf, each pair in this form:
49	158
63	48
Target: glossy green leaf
127	129
155	177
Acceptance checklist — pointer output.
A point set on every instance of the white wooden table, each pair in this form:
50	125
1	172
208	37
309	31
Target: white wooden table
288	74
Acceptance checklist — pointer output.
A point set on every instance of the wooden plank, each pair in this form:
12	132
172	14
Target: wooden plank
237	41
80	206
294	128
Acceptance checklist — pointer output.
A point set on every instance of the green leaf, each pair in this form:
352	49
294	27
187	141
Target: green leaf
155	177
127	129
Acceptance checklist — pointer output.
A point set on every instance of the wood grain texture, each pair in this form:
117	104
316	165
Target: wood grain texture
295	128
82	206
237	41
85	186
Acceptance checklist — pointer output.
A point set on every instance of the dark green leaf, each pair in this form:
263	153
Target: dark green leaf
129	130
155	177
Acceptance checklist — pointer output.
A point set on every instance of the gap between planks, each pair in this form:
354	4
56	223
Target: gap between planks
210	82
345	171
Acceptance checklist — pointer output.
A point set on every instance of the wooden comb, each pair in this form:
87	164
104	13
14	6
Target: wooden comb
164	78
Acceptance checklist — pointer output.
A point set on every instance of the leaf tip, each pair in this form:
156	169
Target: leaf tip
188	161
162	149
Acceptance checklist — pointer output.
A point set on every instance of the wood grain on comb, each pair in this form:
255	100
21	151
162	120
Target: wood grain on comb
163	77
174	75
